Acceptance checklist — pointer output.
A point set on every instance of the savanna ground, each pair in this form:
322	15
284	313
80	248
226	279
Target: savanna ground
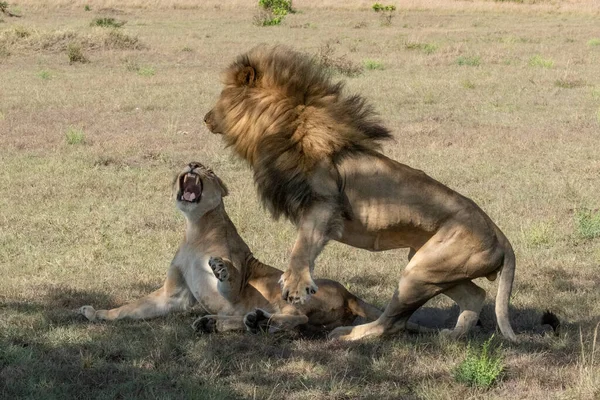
500	101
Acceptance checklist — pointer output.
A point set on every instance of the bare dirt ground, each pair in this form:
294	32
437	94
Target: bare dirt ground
498	100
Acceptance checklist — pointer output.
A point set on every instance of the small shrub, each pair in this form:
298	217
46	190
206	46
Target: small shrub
187	49
21	32
473	61
45	75
146	71
594	42
272	12
4	10
119	40
75	136
538	61
386	12
107	23
480	368
587	223
87	8
327	58
76	54
373	65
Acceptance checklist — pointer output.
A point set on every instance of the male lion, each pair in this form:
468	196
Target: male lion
215	268
316	160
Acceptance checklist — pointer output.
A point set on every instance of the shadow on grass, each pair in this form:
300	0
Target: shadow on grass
51	352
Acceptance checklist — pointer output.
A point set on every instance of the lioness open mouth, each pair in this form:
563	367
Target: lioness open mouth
190	188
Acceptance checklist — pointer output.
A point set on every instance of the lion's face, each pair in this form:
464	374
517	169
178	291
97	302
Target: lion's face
198	190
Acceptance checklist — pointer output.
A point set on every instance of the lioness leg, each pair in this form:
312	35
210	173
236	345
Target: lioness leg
172	296
219	323
469	298
317	226
262	321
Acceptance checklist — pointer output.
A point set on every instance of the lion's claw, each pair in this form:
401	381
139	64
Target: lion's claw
205	324
296	289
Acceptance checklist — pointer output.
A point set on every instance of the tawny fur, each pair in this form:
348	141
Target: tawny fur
215	268
315	155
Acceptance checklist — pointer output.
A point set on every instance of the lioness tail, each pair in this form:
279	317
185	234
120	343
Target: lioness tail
507	275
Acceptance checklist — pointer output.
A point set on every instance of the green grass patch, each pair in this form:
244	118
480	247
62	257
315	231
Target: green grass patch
593	42
539	61
587	222
473	61
427	48
538	234
146	71
75	136
481	368
44	75
107	22
373	65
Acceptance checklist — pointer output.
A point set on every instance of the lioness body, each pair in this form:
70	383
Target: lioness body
315	158
215	268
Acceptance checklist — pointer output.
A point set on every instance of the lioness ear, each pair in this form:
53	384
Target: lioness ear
246	76
224	190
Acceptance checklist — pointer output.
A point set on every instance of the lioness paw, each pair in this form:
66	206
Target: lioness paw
219	268
295	288
88	312
257	321
205	324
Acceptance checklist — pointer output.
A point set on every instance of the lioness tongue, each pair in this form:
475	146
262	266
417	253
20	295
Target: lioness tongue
189	196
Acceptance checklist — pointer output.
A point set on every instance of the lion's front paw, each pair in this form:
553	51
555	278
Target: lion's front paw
205	324
340	333
257	321
297	288
88	312
219	268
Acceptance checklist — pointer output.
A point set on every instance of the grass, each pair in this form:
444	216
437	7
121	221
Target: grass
427	48
75	136
482	367
96	224
45	74
539	61
107	22
373	65
473	61
593	42
75	54
588	223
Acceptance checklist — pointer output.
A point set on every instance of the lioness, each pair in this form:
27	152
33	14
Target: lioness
215	268
316	160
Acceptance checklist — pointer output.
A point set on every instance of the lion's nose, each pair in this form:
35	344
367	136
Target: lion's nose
207	117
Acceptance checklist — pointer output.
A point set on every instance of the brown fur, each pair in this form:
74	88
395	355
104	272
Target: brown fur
215	268
283	115
314	152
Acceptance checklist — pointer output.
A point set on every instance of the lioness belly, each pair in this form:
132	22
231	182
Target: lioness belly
356	235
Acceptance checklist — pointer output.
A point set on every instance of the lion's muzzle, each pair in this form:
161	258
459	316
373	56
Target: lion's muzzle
190	188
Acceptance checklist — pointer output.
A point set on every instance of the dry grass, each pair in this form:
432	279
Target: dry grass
92	222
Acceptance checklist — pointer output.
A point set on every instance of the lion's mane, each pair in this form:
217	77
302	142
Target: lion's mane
284	115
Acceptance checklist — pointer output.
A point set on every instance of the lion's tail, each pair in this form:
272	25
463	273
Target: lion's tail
507	275
363	309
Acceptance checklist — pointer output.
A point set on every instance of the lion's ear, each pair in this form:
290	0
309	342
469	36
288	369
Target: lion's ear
246	76
224	190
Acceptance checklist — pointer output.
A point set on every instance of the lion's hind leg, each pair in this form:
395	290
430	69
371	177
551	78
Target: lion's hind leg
469	298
